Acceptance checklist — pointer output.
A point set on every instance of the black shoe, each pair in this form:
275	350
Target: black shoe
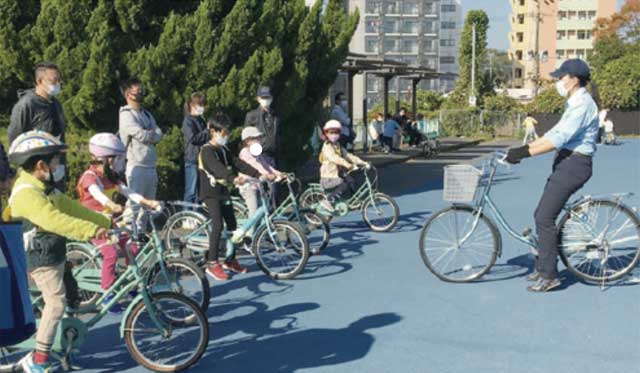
533	276
543	285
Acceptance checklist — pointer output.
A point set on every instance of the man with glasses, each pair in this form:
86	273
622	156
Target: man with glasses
38	108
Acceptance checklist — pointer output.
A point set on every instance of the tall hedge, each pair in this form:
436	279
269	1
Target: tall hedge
225	48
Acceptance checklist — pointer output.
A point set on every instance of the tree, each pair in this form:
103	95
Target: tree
547	101
625	23
619	82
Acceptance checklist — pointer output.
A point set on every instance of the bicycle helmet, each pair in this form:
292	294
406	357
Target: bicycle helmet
33	143
332	125
106	144
251	133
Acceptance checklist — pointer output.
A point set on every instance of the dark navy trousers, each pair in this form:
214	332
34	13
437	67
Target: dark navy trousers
570	172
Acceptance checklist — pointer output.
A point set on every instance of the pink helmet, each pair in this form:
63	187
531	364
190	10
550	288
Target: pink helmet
332	125
106	145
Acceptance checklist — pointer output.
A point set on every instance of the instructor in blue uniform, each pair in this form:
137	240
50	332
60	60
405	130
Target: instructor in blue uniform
574	140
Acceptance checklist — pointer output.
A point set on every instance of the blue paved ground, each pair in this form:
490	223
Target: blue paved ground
370	305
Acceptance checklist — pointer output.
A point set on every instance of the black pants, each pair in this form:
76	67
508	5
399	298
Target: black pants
387	142
570	172
348	185
219	210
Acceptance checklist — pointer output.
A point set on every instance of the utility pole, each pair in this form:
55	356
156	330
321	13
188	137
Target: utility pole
472	97
536	56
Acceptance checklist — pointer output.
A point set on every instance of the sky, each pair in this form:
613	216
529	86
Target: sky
498	12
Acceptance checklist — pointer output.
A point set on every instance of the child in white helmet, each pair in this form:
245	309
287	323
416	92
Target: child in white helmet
335	161
97	187
251	153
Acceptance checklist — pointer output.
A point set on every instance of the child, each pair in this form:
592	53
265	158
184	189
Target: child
216	164
251	153
97	187
49	219
335	160
610	136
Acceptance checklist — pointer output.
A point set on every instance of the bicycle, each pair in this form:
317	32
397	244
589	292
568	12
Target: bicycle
280	247
588	246
172	272
380	211
290	209
149	324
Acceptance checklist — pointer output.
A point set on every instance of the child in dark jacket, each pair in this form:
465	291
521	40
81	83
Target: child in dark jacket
217	165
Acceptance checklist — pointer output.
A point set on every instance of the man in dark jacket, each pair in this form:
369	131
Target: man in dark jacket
267	121
195	134
38	108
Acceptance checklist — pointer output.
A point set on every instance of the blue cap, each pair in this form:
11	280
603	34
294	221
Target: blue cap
574	67
264	91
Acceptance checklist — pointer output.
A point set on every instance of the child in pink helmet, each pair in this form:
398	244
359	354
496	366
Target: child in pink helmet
97	187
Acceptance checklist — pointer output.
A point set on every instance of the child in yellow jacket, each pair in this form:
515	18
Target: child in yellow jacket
49	219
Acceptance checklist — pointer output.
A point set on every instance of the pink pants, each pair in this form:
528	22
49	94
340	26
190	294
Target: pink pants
109	259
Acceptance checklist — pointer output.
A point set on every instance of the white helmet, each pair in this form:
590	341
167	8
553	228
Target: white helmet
332	125
250	133
33	143
105	144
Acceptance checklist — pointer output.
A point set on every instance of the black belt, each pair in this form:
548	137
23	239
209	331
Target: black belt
564	153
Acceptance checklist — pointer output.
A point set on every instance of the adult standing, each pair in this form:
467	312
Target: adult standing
196	134
140	134
339	113
38	108
265	119
574	140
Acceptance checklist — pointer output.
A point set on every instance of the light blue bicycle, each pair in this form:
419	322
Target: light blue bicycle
598	237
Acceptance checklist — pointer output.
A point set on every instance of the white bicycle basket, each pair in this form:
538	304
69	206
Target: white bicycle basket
460	182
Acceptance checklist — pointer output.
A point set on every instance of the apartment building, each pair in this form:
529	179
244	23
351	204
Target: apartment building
562	28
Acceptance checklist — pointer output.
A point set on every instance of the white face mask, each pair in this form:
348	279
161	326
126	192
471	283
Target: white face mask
561	89
53	89
255	149
199	110
221	140
265	102
58	174
344	104
119	164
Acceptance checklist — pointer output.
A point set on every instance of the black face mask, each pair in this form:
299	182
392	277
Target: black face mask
139	96
110	174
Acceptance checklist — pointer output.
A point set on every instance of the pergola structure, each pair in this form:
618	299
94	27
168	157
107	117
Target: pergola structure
386	70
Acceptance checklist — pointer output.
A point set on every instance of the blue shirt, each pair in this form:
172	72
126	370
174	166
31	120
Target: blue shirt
577	130
390	127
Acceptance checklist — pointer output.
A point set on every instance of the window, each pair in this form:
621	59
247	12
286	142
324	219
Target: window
521	19
521	2
428	27
582	34
431	63
519	73
520	37
580	54
390	26
447	59
562	15
392	7
391	45
571	34
448	25
560	53
560	35
571	14
410	27
410	7
429	46
411	60
447	42
410	46
519	55
592	15
371	25
371	44
448	8
582	15
571	53
373	6
429	7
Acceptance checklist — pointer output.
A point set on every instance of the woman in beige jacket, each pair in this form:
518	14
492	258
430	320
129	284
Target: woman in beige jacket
335	161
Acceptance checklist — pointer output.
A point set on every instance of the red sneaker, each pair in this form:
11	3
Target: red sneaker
234	266
215	270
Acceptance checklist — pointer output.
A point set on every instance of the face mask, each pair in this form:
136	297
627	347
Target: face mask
139	96
255	149
561	89
58	173
265	102
199	110
53	89
344	104
221	140
333	137
119	164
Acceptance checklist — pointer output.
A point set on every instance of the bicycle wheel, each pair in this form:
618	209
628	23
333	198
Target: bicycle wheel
450	259
311	197
86	271
177	347
240	209
182	277
599	240
317	230
182	234
11	358
284	255
381	214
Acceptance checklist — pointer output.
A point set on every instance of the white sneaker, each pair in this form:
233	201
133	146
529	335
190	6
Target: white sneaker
327	205
28	366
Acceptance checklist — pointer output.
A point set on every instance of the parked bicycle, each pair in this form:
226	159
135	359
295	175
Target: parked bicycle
280	247
598	236
172	273
379	211
163	331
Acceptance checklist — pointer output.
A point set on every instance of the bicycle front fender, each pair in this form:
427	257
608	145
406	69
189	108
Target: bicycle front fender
128	311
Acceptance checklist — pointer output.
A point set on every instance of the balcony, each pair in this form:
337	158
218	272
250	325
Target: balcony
574	44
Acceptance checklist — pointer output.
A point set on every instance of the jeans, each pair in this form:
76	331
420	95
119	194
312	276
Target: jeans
191	183
219	210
